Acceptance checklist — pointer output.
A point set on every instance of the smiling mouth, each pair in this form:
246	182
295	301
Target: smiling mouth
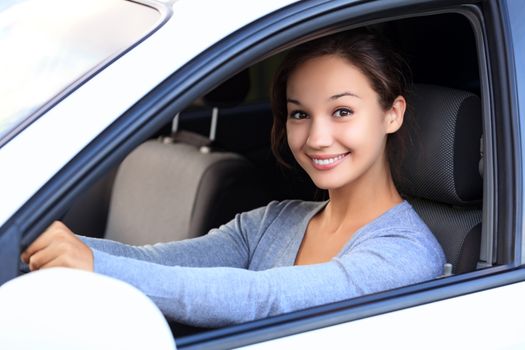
327	162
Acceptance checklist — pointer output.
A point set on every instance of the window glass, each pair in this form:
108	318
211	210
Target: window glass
48	45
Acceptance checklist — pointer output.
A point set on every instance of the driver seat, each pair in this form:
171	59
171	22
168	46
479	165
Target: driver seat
442	179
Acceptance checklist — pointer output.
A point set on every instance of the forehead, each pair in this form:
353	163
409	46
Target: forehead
326	74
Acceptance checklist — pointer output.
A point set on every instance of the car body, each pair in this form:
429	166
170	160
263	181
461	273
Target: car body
77	134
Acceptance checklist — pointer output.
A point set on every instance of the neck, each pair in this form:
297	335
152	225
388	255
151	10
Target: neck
362	201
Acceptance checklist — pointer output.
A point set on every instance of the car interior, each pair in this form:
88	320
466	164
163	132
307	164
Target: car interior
214	159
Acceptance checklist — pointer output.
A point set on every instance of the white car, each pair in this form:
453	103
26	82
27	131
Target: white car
98	95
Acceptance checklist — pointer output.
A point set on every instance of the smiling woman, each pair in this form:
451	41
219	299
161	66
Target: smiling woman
342	99
365	239
352	126
50	52
365	58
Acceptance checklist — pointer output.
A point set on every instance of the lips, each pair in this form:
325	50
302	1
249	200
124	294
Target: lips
326	162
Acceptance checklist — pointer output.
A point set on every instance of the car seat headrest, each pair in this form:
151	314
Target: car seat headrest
231	92
442	163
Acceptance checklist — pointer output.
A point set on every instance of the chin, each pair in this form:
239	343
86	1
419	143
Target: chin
328	185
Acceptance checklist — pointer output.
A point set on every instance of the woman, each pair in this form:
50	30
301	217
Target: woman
338	103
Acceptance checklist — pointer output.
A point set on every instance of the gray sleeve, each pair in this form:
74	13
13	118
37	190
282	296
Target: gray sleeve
229	245
218	296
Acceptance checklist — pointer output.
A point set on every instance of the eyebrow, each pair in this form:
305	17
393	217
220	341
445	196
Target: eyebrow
334	97
346	93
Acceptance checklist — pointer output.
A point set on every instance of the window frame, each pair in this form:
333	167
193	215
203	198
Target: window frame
516	53
506	148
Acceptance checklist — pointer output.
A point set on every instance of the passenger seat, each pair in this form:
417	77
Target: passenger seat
179	187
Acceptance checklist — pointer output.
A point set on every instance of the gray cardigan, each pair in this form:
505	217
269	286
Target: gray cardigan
244	270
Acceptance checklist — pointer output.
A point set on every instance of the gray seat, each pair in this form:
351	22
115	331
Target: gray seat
441	176
165	191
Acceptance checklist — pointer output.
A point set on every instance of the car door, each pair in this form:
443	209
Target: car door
444	304
446	313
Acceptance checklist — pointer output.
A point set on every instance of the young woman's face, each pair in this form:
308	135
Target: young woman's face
336	128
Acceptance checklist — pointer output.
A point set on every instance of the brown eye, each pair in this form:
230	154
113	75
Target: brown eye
343	112
297	115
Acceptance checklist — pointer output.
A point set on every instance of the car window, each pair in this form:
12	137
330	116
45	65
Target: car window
48	46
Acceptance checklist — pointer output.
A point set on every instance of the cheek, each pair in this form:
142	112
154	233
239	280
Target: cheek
353	136
362	135
295	135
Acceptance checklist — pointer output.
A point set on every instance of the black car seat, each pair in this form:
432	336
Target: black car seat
178	187
441	176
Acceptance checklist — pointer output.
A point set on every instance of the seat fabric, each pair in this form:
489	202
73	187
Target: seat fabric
440	177
165	192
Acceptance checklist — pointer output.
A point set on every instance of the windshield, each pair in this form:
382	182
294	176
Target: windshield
49	45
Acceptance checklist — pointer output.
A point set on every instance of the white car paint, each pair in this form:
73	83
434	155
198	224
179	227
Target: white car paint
43	148
474	321
63	309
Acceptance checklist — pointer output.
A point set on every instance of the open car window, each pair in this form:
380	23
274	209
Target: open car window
241	105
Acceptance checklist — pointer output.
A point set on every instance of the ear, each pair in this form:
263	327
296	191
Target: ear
394	116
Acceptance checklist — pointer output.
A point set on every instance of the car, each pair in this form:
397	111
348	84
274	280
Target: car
99	95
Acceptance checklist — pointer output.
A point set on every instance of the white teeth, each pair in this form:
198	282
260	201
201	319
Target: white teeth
328	160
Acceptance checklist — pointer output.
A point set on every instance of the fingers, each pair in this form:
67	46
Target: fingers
52	261
58	246
55	262
56	230
42	257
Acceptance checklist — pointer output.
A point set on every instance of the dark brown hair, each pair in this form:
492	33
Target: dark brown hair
386	70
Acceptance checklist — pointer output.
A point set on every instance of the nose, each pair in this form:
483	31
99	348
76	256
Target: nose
320	134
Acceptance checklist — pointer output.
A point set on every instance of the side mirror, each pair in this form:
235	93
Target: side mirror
62	308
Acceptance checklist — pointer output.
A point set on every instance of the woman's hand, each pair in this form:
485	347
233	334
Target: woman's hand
58	246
